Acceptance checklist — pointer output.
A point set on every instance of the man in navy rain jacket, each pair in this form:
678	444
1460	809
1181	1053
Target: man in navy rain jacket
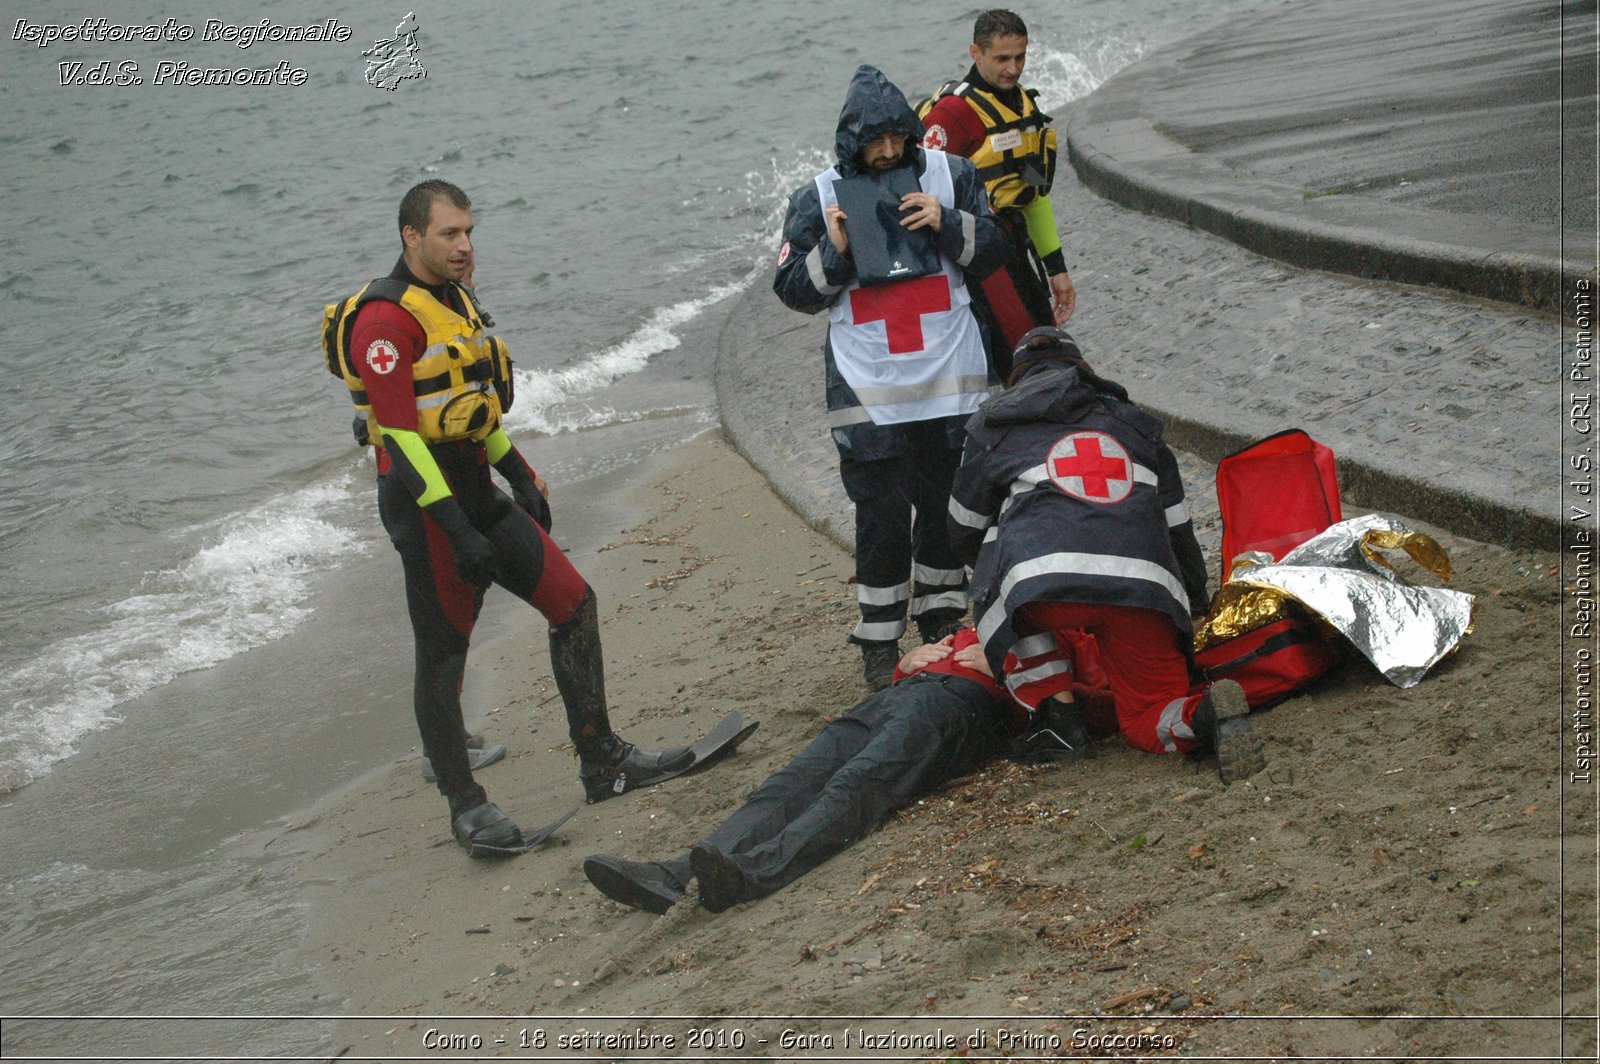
904	360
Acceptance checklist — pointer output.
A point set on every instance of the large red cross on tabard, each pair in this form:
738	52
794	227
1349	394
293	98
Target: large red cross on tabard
1092	467
900	306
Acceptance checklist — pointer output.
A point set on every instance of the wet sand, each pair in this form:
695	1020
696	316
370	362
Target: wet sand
1401	857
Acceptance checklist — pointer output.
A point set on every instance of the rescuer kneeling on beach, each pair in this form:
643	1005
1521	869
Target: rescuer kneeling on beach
430	381
1069	508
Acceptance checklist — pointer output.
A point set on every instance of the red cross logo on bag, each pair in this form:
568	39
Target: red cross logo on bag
901	306
1090	466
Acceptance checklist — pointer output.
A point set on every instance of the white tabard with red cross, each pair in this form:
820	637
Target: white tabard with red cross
910	350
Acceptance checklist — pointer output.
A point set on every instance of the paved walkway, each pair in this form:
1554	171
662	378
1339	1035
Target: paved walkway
1440	406
1442	142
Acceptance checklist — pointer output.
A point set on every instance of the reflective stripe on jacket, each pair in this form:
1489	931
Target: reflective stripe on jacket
1067	493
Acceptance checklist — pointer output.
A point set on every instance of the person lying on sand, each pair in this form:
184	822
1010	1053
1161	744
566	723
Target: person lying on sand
942	717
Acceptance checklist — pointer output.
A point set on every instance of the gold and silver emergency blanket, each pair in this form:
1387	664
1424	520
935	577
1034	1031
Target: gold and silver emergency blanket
1342	576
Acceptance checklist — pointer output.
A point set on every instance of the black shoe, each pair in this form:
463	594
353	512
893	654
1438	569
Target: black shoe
478	757
878	660
1221	723
641	884
617	767
938	625
1058	733
484	831
721	881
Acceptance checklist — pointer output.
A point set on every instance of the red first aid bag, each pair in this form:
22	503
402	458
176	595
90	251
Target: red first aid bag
1272	662
1275	494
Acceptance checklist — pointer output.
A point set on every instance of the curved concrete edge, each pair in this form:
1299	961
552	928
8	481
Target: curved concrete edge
790	466
1119	154
1372	487
765	352
745	436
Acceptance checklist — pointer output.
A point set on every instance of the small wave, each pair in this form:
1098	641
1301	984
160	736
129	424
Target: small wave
138	939
540	392
245	589
1063	76
766	193
579	418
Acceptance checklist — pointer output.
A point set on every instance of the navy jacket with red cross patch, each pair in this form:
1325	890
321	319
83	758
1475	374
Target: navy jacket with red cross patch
1067	493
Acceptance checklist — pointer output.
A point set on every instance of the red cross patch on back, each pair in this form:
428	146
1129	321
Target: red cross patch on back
1091	466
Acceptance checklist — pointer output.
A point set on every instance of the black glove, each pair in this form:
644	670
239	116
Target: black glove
524	487
476	559
533	503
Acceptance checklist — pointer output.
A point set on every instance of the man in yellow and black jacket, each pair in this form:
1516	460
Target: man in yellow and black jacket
430	382
990	118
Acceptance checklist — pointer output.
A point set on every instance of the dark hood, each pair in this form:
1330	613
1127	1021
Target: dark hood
1064	395
873	107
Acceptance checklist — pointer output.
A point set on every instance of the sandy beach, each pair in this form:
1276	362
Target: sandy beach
1402	856
217	844
1413	875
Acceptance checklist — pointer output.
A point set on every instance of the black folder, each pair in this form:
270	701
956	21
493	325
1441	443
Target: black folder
882	248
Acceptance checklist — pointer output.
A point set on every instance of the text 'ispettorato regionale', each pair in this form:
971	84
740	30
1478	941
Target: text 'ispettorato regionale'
242	35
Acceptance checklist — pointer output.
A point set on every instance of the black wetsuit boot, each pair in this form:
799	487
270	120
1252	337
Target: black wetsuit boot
608	765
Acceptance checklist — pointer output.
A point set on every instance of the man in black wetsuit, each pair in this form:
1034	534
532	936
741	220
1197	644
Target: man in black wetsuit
430	381
989	118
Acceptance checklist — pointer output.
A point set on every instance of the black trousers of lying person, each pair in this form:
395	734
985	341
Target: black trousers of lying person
924	730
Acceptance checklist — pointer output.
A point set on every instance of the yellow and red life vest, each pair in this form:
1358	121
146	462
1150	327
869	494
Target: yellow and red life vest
462	381
1017	159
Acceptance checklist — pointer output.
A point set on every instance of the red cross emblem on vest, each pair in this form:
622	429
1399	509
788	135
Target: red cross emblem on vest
900	306
382	356
1090	466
